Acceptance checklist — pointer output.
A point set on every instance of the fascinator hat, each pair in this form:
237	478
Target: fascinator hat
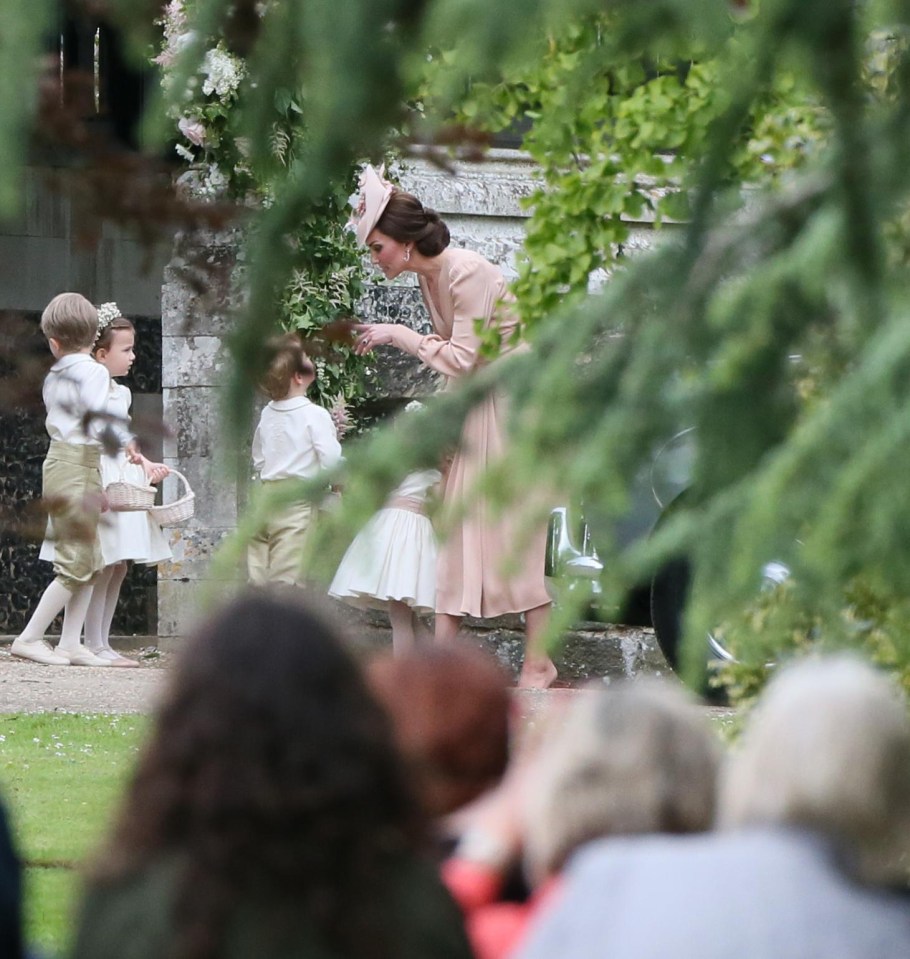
373	198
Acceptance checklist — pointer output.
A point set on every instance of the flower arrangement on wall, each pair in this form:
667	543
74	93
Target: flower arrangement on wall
205	102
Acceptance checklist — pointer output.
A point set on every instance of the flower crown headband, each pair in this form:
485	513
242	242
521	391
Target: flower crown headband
373	198
107	313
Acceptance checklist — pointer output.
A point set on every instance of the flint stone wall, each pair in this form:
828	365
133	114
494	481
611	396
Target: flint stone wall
43	251
482	206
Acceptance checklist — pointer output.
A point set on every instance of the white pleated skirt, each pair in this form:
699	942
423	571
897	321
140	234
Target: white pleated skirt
392	557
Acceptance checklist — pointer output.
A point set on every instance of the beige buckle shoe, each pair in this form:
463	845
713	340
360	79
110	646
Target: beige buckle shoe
80	656
37	651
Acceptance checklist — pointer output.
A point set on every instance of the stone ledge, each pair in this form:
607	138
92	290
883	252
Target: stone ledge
494	187
589	651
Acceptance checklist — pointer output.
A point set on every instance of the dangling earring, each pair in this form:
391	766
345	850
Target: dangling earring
407	254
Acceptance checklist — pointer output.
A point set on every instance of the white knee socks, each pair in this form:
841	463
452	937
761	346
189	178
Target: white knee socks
100	614
74	618
54	598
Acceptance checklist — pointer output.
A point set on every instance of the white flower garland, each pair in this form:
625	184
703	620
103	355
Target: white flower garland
107	313
197	109
223	73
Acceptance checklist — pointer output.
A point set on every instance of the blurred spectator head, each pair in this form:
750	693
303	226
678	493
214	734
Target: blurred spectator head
450	714
270	771
828	749
636	758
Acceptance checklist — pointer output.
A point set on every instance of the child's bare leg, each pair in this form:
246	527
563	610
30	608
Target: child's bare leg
422	634
538	670
402	620
447	627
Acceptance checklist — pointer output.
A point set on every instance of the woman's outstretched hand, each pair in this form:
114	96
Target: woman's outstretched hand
371	335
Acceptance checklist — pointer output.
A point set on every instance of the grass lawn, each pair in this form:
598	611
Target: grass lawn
61	777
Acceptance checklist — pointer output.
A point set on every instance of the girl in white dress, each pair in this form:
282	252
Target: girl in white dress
391	563
124	536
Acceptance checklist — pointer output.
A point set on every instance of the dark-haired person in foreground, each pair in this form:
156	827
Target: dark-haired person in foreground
10	893
269	816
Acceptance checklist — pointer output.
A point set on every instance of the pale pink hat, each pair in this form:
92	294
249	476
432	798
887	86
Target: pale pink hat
374	196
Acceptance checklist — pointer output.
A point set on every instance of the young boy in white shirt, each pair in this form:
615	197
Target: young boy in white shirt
295	439
75	393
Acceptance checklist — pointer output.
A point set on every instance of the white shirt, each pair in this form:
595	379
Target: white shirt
75	386
295	438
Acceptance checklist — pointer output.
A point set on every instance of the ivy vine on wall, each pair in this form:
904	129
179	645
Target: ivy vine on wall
614	130
207	107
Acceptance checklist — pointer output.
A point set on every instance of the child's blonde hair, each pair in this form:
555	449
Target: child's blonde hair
71	320
286	357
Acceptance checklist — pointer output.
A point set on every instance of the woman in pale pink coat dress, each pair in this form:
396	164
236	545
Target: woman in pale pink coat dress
459	287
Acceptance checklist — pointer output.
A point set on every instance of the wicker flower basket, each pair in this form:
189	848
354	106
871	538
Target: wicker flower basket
181	509
123	497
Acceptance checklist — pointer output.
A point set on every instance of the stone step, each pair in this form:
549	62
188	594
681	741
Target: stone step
589	651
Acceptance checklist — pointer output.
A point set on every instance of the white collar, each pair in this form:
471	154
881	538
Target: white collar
293	403
69	359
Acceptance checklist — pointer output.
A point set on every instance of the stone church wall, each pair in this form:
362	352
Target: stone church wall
183	319
482	207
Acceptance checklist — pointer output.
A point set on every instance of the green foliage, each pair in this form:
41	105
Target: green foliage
779	624
616	134
324	287
22	26
774	329
781	142
212	96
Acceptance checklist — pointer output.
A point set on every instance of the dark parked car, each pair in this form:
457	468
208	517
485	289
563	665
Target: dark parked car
573	564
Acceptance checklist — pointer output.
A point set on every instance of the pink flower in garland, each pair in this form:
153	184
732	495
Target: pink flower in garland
193	130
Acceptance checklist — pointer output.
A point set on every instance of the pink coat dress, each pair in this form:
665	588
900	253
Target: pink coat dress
478	573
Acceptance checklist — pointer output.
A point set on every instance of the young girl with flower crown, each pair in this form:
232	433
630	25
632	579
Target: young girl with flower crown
391	563
131	535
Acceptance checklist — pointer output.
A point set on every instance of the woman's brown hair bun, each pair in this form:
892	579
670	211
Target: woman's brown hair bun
407	220
435	235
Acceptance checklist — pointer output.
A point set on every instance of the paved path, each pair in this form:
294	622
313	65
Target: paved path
29	688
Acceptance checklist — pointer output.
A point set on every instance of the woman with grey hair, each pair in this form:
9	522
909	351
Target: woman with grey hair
637	758
813	855
829	752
